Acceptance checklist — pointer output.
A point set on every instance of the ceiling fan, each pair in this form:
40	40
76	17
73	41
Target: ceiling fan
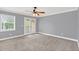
37	12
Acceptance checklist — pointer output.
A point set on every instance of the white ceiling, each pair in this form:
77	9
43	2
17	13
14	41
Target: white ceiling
48	10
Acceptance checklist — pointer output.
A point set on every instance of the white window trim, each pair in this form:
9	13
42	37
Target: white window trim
8	29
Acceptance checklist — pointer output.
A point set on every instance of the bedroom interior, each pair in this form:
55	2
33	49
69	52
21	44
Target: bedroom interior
39	29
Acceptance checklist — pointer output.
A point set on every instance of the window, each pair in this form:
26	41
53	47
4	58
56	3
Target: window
7	22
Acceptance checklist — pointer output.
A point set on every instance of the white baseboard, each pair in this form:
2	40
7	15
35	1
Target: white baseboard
11	37
41	33
66	38
16	36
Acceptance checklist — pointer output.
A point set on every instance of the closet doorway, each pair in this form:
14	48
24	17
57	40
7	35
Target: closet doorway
29	25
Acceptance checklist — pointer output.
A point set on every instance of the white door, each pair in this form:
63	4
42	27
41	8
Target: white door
29	25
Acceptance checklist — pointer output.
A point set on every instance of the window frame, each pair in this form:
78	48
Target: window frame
14	17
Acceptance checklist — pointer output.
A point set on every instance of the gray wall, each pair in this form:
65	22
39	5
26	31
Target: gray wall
19	25
64	24
78	23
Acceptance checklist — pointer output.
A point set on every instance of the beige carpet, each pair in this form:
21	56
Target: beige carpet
38	42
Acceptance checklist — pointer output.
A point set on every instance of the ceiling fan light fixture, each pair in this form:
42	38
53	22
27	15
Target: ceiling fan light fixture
35	14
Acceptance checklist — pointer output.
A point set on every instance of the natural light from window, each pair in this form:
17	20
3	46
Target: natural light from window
7	22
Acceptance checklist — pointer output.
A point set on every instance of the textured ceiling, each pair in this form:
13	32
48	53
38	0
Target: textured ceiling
48	10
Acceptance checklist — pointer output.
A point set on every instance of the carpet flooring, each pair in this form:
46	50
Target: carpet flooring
38	42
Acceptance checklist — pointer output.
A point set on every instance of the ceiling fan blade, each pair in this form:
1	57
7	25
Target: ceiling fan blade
40	12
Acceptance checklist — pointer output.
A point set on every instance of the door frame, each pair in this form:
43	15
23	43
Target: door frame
30	20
